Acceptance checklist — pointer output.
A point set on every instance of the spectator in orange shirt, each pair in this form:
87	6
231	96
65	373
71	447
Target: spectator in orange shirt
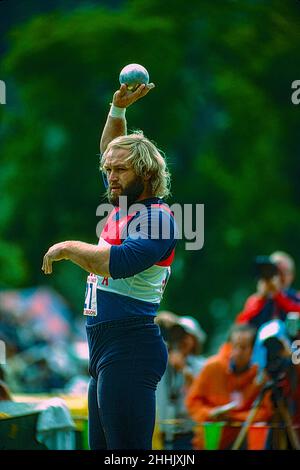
226	388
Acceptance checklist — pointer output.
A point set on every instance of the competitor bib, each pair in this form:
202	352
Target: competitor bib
90	303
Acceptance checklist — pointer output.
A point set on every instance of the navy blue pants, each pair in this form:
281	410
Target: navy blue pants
127	360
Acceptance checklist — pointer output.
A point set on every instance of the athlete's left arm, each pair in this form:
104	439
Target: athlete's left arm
91	258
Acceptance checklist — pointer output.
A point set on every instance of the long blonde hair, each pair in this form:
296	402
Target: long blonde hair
145	158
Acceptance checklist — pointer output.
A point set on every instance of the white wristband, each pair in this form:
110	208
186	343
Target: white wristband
117	112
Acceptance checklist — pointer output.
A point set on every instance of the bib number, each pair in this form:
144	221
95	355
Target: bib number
90	303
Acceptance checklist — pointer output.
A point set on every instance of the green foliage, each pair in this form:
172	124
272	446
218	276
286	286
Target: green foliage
221	110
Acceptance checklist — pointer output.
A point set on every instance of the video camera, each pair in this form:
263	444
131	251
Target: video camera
272	350
278	363
265	268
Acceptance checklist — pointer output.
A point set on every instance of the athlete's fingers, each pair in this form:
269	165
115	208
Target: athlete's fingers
150	86
146	89
123	90
47	265
44	264
137	93
142	90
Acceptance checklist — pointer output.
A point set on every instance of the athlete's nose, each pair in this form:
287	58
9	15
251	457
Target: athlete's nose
113	177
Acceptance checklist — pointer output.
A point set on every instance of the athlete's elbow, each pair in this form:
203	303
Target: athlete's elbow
100	270
100	263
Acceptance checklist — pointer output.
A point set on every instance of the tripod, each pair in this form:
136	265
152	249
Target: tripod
281	414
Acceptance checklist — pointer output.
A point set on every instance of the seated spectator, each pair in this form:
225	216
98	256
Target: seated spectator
274	297
226	388
185	340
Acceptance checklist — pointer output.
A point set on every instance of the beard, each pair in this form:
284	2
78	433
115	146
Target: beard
132	191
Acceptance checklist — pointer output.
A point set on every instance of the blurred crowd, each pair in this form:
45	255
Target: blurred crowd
43	353
254	377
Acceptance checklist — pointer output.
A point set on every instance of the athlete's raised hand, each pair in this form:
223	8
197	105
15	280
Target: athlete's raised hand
123	97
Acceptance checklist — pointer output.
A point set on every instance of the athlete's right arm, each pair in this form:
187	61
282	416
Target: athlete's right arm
116	126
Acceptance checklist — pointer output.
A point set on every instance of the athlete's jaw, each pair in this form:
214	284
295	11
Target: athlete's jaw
132	191
113	194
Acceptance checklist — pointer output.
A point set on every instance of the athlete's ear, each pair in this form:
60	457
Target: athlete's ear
147	177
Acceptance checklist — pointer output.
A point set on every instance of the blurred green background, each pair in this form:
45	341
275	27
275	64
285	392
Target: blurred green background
221	111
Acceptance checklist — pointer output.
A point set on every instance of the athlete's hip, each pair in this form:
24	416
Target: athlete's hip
129	344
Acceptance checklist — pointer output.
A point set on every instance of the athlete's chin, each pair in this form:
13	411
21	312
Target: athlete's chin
113	199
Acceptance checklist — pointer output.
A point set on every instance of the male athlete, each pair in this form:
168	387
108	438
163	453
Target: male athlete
128	271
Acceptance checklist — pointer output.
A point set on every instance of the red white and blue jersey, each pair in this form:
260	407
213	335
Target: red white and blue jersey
142	250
